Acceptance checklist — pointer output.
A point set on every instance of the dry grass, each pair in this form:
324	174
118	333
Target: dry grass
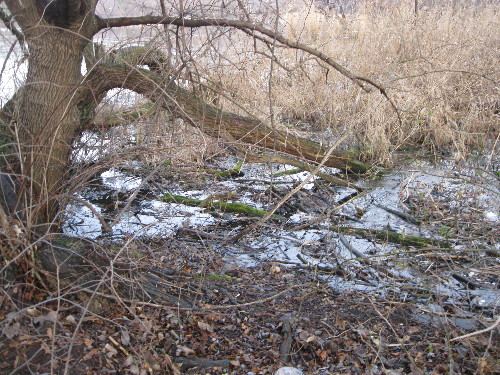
440	67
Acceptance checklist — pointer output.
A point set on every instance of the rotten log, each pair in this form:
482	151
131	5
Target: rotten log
192	361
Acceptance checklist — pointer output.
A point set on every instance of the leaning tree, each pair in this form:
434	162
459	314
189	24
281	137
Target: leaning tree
56	102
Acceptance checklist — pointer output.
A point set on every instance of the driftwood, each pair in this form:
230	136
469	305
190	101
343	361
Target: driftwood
287	331
192	361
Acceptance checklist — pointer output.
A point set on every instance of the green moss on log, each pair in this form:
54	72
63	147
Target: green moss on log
217	277
219	205
233	172
287	172
393	237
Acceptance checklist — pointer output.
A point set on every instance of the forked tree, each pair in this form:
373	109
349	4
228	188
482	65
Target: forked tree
56	101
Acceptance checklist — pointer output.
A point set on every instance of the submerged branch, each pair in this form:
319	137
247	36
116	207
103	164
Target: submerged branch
302	166
390	236
218	204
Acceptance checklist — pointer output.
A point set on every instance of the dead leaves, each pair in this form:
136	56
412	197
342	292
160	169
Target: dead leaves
12	330
205	327
326	334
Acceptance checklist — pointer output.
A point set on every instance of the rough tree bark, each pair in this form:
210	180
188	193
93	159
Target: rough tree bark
46	115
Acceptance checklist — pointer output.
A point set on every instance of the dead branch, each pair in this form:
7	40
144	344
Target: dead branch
104	23
480	332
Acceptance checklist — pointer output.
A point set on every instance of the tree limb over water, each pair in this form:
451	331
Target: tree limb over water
209	119
242	25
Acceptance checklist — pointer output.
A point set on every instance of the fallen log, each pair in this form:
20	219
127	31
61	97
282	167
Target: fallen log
228	173
209	119
192	361
393	237
219	204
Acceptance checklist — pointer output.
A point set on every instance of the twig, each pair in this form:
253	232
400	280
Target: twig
116	343
136	192
8	22
490	328
447	71
417	369
351	249
106	228
399	214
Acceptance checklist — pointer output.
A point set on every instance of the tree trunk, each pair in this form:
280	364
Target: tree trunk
47	129
46	114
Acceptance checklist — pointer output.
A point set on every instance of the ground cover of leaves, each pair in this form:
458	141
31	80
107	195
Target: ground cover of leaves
248	320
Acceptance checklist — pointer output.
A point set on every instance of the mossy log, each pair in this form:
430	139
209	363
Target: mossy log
232	172
228	173
219	205
212	120
288	172
393	237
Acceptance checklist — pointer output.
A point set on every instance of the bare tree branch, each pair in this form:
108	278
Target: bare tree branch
9	24
242	25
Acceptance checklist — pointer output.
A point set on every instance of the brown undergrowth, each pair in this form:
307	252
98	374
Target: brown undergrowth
440	66
329	333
